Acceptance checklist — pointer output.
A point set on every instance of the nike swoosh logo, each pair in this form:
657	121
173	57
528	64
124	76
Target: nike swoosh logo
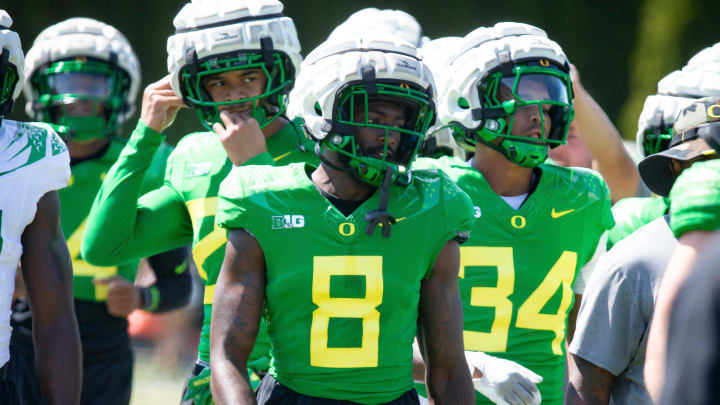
283	156
558	214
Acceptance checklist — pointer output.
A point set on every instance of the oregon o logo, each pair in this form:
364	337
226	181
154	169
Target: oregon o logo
714	111
346	229
404	86
518	222
544	62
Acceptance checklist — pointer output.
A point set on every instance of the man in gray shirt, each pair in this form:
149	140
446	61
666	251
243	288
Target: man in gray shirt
608	350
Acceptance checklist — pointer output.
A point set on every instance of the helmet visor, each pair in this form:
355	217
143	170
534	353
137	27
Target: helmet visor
80	83
545	90
535	87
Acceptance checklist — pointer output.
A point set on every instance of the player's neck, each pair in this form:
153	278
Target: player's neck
504	177
340	184
274	127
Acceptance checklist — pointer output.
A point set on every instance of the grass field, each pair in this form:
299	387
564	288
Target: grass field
155	383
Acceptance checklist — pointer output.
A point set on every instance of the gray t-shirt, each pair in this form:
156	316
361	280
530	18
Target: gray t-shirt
617	306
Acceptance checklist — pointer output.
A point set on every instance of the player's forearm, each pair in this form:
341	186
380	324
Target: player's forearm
605	143
440	334
174	283
588	384
48	275
451	386
58	359
231	384
237	304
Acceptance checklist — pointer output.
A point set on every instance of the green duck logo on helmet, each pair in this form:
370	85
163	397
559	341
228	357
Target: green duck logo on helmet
214	37
12	62
497	75
84	75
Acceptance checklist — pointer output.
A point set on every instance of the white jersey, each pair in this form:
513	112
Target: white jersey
33	161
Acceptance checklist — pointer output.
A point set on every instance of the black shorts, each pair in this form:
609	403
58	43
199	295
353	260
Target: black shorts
8	391
106	382
272	392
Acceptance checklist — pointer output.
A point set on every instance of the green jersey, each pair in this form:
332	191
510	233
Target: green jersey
632	214
76	200
695	199
518	269
182	211
342	306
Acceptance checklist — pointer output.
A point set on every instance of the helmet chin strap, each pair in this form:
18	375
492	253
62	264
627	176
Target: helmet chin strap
324	159
380	216
493	146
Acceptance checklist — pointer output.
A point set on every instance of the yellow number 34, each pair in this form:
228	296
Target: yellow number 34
529	316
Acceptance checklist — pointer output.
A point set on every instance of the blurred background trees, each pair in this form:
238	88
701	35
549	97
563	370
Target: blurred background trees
621	48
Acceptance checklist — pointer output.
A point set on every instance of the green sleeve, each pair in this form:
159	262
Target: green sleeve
458	217
155	175
695	199
231	210
262	159
123	226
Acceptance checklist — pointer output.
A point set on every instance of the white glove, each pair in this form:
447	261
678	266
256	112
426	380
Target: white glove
504	382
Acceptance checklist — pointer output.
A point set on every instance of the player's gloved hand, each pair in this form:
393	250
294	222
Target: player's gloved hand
240	135
122	296
198	390
503	382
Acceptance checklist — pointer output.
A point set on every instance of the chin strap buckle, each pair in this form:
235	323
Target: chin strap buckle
380	216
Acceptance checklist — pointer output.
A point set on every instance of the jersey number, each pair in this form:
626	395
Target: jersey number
561	275
85	269
199	210
330	307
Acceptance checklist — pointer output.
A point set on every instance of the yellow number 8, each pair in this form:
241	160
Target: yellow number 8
365	308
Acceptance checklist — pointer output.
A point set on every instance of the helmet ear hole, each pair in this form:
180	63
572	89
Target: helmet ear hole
318	110
463	103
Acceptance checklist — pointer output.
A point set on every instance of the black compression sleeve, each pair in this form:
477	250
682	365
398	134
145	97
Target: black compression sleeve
174	283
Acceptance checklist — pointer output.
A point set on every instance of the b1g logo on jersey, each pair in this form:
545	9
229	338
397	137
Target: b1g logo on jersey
287	221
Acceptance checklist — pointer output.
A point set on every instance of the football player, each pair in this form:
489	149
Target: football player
675	91
693	218
234	64
83	76
350	261
506	92
34	164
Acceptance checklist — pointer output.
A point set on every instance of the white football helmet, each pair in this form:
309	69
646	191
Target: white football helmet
391	22
440	140
675	91
215	36
707	59
12	62
510	57
348	72
82	60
